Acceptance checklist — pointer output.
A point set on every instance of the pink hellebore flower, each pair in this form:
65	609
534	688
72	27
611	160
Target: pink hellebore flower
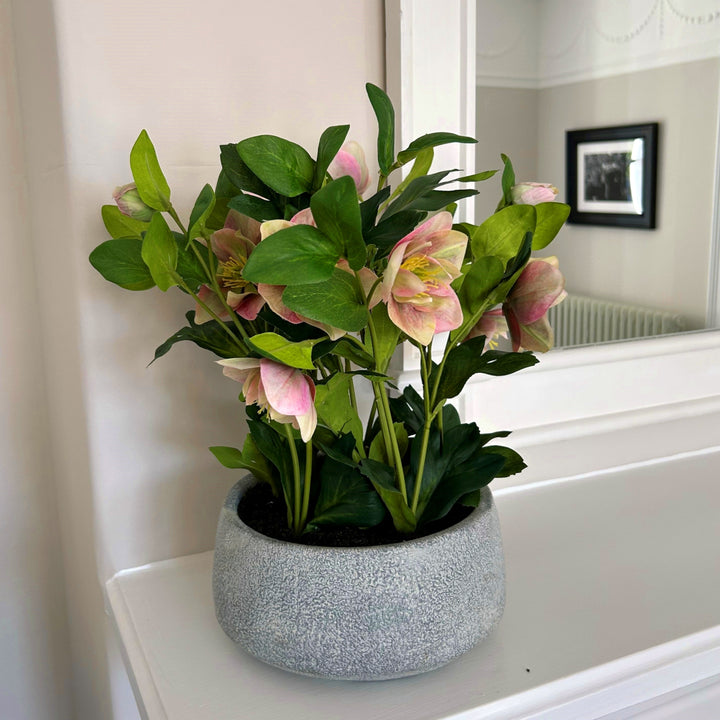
416	282
492	325
350	160
539	287
285	393
532	193
232	246
129	203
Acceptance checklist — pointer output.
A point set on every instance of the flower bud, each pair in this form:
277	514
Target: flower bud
129	203
532	193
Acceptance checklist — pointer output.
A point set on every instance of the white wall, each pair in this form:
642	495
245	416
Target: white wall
34	679
135	480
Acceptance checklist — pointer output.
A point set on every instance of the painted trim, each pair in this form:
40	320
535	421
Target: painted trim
614	686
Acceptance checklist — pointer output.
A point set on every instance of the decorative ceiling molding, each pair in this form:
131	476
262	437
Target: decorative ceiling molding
554	42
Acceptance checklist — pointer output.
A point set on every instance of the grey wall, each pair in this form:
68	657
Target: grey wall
666	268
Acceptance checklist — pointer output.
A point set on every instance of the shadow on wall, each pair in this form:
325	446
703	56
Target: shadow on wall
50	224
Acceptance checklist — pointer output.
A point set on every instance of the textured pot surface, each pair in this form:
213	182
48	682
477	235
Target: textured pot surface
369	613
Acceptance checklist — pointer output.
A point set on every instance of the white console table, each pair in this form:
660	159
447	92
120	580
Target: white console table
613	611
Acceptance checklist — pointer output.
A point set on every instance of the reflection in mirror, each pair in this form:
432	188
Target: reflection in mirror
545	67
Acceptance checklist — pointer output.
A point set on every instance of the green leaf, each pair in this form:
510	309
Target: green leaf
275	450
339	448
420	167
346	498
160	253
385	114
120	261
369	208
336	212
201	212
415	189
379	451
508	180
513	462
462	363
439	199
296	255
239	174
551	217
334	409
151	184
496	362
209	336
503	233
282	165
122	226
388	231
484	275
189	267
408	409
254	207
515	265
249	459
334	301
330	142
466	478
387	335
224	190
478	177
344	348
382	478
431	140
274	346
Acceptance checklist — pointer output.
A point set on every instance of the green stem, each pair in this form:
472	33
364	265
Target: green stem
383	407
425	354
308	480
205	307
371	420
394	447
383	422
354	405
175	217
296	478
421	466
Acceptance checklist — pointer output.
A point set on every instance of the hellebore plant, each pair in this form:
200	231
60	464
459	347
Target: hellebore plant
303	288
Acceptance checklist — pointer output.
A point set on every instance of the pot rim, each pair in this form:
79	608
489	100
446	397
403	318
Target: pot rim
233	498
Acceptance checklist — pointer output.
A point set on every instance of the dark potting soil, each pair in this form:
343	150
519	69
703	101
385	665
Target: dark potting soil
263	512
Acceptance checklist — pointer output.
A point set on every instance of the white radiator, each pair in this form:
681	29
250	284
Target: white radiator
581	320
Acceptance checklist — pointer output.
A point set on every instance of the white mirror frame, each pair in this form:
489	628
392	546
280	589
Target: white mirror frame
582	409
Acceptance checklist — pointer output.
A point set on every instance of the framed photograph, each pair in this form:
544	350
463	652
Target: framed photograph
612	175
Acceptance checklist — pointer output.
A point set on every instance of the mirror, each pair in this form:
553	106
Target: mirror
545	67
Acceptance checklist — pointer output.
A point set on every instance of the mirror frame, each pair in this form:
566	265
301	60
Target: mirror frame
587	392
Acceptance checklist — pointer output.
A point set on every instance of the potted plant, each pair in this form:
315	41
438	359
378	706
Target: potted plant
356	548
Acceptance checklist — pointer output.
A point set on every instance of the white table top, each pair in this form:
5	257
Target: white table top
613	599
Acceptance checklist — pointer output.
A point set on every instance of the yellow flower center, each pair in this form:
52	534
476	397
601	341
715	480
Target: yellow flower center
230	274
418	265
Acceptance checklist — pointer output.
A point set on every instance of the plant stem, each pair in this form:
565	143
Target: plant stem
425	354
174	216
296	478
421	466
393	447
207	309
308	480
383	407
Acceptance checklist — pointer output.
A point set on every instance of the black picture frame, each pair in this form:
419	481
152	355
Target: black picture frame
611	175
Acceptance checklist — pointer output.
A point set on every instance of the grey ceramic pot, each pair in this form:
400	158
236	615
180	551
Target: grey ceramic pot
369	613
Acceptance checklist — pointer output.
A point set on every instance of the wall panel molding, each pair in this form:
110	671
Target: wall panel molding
561	41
